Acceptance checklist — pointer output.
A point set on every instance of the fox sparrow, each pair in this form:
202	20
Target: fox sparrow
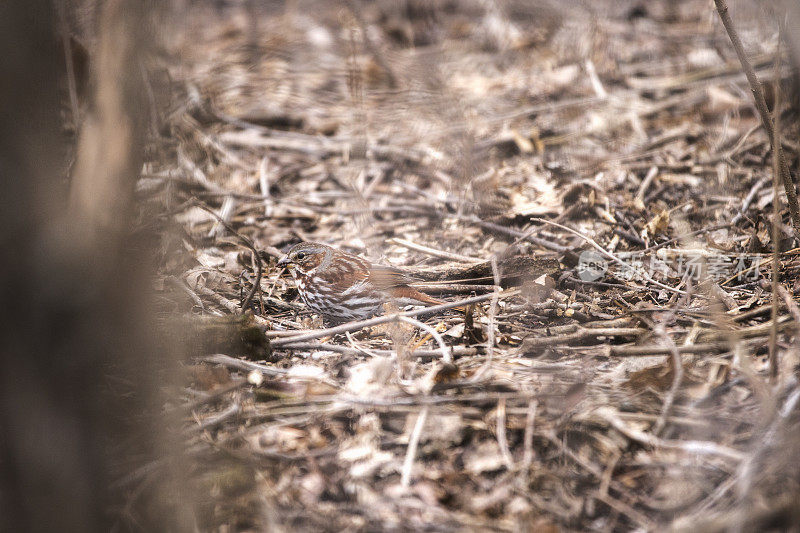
342	287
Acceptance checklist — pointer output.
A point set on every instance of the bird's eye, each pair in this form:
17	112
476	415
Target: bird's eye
300	256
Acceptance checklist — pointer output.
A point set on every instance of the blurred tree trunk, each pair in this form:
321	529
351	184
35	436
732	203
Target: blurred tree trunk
79	403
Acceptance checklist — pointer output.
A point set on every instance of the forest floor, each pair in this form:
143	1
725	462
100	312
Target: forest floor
595	171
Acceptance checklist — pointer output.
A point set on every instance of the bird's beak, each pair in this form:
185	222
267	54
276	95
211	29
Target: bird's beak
284	261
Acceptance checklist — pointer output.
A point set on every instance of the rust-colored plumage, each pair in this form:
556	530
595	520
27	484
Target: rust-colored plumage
342	287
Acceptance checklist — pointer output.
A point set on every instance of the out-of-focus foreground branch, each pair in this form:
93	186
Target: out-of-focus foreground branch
79	403
110	145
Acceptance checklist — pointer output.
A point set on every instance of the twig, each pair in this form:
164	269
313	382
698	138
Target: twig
490	340
502	440
749	199
454	287
763	111
447	357
677	378
224	215
594	79
228	304
249	244
239	364
215	395
358	348
234	409
324	347
183	286
656	349
434	252
580	334
263	182
648	179
794	310
517	234
688	446
196	173
597	472
682	237
735	149
413	443
530	418
572	328
776	227
255	136
623	508
605	480
505	252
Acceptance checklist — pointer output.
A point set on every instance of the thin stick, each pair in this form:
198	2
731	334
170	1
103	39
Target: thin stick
763	111
413	443
516	234
454	287
434	252
749	199
677	365
346	350
358	348
197	175
249	244
225	214
646	182
447	357
693	447
230	305
691	234
233	410
502	440
527	455
490	340
794	310
655	349
240	364
594	79
776	226
263	182
580	334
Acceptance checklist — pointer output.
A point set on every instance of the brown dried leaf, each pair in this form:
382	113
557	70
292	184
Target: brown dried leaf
657	225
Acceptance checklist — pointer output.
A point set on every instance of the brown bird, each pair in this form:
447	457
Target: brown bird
343	287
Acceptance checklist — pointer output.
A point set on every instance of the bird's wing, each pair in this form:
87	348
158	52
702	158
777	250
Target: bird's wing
385	277
347	273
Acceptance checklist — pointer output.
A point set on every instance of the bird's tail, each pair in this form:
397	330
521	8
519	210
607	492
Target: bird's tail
409	295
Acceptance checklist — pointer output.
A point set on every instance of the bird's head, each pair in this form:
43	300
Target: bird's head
305	257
